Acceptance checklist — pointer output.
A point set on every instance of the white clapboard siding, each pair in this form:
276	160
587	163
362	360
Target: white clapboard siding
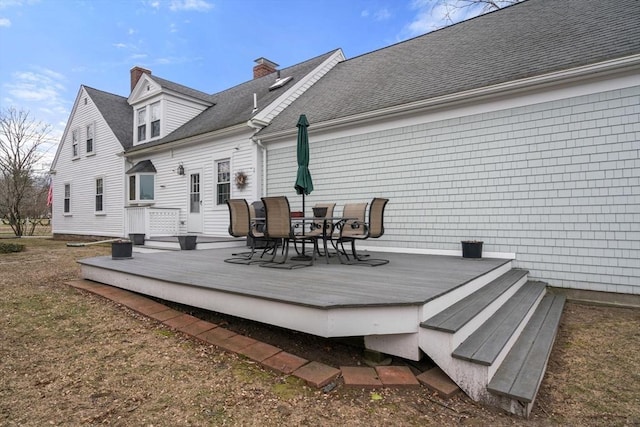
81	173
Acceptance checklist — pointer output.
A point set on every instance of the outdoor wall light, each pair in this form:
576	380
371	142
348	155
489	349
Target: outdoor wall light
180	169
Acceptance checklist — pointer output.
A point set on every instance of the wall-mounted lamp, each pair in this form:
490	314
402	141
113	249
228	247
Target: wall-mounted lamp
180	169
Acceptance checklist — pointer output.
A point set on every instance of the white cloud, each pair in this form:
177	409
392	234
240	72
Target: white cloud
190	5
4	22
11	3
382	15
377	15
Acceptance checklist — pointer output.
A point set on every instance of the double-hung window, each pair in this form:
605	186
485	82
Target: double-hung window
155	120
223	182
74	143
142	124
99	195
90	138
67	198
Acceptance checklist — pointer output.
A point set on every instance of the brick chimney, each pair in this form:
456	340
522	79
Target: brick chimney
264	68
136	73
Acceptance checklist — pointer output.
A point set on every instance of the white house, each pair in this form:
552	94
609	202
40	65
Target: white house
164	160
520	128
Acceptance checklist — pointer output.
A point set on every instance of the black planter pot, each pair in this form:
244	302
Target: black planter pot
121	250
137	238
471	249
187	243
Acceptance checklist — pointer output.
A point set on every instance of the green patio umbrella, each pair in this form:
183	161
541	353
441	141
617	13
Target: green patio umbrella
304	184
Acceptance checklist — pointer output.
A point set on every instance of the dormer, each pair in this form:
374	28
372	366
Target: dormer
160	106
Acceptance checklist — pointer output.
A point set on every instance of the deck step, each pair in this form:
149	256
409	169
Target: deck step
520	374
459	314
486	343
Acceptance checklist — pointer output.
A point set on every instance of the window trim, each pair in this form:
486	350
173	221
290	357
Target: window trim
75	151
227	183
157	107
141	113
91	125
100	194
137	181
66	199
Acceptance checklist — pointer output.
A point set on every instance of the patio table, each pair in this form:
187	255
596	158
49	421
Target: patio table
328	223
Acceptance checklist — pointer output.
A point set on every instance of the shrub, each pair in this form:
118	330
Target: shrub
6	248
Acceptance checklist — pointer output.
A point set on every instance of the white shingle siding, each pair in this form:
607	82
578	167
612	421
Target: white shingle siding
557	183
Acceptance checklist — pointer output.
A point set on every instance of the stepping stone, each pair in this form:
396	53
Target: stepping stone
438	381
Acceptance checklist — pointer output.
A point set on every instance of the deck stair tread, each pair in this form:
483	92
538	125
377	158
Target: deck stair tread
459	314
520	374
486	343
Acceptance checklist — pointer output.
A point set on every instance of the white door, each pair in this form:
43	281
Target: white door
194	220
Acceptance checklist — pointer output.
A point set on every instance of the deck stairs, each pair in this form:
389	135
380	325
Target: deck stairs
495	341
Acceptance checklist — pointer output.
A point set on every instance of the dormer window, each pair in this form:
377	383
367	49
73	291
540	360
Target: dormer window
149	114
142	124
155	120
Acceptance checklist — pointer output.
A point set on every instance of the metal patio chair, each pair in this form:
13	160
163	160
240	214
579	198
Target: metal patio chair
278	226
353	231
318	225
240	225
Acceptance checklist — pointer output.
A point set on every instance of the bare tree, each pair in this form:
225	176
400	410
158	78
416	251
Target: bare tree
451	8
21	141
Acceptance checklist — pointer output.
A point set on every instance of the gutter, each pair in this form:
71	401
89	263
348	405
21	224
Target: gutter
258	126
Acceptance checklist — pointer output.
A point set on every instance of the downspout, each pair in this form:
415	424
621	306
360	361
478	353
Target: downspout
258	142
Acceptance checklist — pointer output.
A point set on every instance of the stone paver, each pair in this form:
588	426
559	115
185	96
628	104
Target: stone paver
216	336
397	376
260	351
357	376
314	373
284	362
438	381
317	374
181	321
198	327
164	315
237	343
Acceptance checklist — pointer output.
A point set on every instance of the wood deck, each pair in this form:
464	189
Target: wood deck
407	280
328	300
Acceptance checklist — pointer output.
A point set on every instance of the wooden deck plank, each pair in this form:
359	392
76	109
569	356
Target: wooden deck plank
484	345
520	373
409	279
456	316
526	385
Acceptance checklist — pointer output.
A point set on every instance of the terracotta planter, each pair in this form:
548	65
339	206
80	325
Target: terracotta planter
121	250
471	249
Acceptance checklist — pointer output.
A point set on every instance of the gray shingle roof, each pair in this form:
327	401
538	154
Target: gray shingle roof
116	112
175	87
527	39
235	105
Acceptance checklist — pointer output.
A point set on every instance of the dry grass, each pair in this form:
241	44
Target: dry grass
72	358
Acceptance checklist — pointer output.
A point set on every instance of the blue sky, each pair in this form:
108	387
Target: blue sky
50	47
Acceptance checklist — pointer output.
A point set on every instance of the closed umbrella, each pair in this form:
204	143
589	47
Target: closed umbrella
304	183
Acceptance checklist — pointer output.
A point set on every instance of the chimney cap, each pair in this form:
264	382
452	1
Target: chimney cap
265	61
